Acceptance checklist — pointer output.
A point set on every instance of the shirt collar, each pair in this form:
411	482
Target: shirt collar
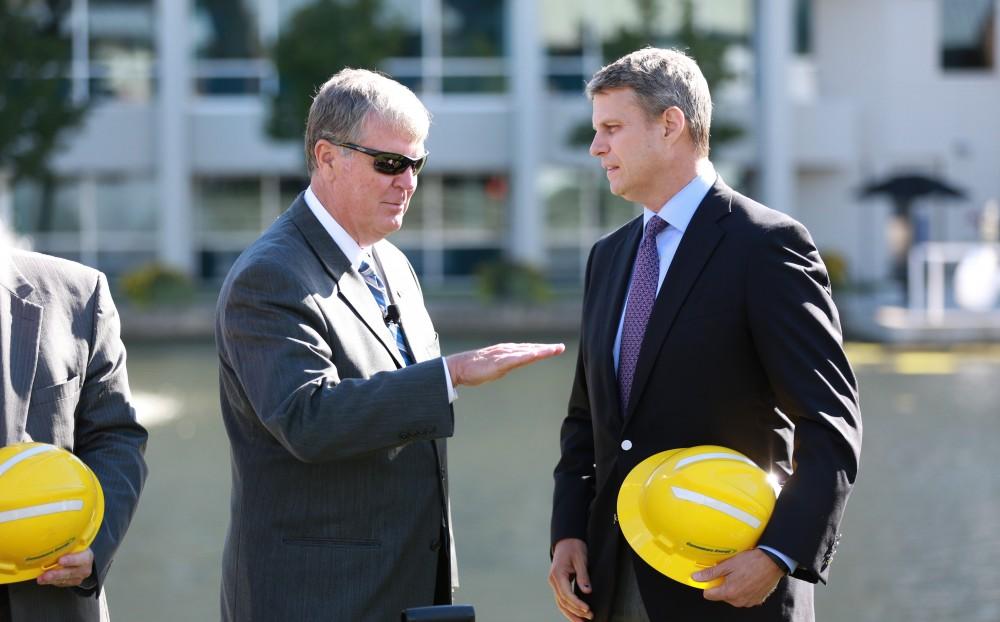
680	209
351	249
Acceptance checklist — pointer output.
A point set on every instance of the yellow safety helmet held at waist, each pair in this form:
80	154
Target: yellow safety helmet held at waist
51	504
684	510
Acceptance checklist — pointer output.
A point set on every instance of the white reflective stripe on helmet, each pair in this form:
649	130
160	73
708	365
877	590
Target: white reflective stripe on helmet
715	504
24	455
716	456
41	510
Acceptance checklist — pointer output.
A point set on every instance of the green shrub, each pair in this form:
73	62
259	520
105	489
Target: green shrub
510	281
157	285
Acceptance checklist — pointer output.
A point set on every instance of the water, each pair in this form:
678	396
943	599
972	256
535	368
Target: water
920	537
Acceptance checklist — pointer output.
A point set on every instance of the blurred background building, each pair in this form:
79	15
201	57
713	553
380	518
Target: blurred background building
875	122
174	162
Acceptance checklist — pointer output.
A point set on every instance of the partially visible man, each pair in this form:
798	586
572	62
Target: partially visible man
334	394
708	320
63	381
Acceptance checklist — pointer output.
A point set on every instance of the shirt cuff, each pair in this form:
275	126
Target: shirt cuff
790	563
452	391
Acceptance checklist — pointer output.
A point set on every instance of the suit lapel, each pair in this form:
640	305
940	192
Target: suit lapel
700	239
19	341
618	276
351	286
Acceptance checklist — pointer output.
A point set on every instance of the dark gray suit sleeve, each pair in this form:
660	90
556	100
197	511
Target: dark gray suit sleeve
282	355
796	331
108	438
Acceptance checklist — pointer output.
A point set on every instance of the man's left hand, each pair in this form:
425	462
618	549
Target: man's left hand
748	579
74	568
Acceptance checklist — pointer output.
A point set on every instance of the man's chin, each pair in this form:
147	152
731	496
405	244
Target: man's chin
617	190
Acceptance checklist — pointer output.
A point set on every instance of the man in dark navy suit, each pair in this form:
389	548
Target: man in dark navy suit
708	320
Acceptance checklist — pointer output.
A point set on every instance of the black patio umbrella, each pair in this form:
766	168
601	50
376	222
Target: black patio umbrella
904	189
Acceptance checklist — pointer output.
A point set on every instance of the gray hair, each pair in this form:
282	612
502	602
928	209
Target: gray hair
351	98
661	78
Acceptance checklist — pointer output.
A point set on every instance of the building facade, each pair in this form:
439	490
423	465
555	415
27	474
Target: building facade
173	164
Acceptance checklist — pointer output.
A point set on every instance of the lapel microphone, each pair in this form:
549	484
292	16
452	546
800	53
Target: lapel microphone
391	315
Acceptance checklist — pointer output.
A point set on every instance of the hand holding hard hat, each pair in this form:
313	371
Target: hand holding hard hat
685	510
51	506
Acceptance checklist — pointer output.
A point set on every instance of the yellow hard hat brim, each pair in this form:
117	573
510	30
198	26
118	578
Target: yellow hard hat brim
640	537
11	572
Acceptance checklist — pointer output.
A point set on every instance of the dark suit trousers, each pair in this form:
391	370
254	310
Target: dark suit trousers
4	604
627	605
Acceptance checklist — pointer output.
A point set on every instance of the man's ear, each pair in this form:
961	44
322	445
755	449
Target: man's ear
672	122
325	153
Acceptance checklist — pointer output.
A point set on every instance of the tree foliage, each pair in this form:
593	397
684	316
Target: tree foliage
35	106
322	39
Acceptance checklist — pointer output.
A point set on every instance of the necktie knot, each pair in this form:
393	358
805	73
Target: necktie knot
365	268
654	227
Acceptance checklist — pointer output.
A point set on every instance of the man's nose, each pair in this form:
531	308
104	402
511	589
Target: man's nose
406	180
598	146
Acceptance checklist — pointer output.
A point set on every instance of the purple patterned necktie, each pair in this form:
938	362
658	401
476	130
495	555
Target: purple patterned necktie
641	295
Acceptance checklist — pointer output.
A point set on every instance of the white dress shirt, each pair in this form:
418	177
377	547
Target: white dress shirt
355	254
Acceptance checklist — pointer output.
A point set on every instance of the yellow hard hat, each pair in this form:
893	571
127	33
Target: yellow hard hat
684	510
51	505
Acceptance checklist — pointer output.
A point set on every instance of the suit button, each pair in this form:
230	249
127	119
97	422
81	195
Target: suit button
435	544
626	444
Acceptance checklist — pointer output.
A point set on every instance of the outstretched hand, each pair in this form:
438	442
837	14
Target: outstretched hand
494	362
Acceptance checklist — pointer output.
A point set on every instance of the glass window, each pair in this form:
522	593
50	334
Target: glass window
227	205
475	202
227	42
225	29
121	48
562	192
406	64
466	261
121	262
614	211
46	209
472	44
414	219
968	33
127	204
472	27
214	265
803	27
566	264
290	189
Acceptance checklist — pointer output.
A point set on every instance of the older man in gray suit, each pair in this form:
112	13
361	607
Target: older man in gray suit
334	394
63	381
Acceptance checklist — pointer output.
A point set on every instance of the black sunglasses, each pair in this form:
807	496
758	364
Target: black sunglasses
387	162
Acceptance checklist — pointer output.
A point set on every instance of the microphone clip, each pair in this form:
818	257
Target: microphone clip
391	315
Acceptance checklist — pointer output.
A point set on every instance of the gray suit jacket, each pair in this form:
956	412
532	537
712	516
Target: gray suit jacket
63	381
339	495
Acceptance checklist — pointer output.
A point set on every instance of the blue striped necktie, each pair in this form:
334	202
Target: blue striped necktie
377	289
